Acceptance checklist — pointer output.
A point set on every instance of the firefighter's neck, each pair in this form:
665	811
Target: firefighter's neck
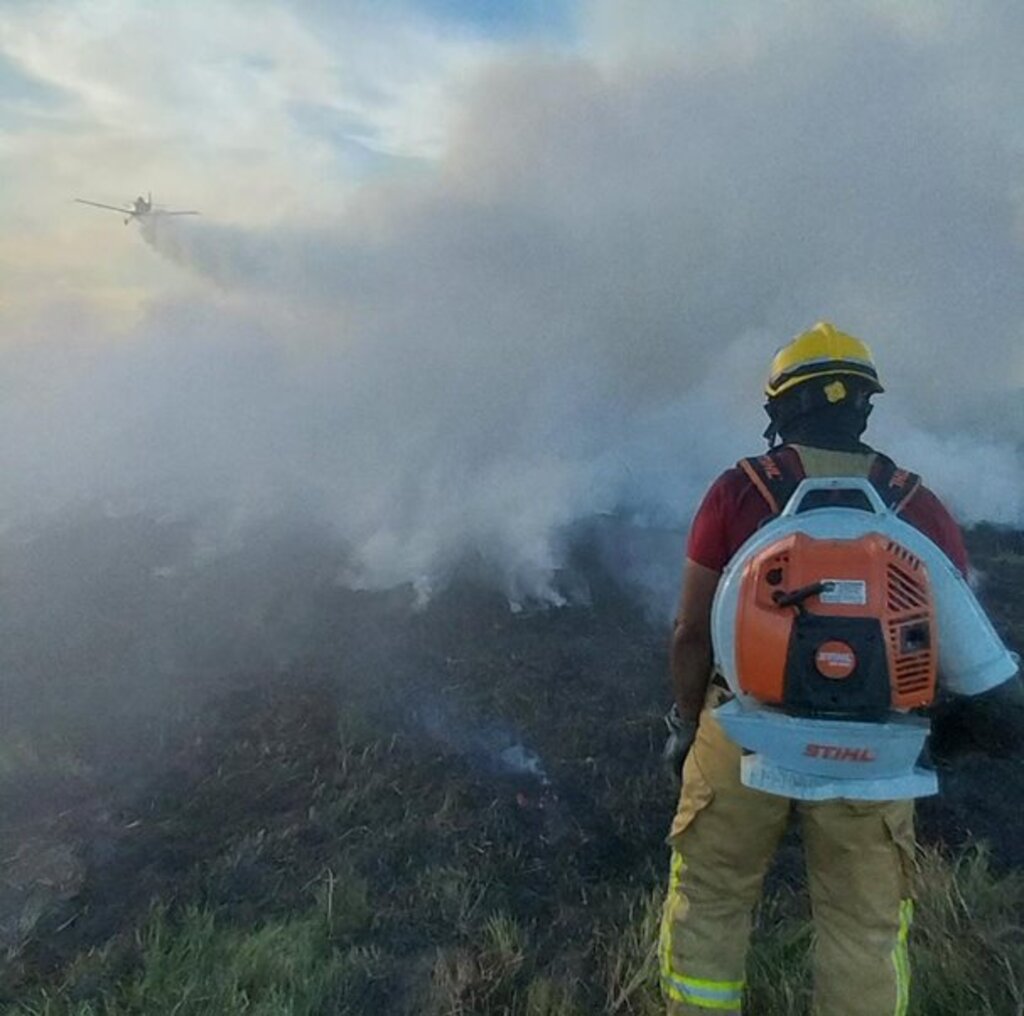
812	434
830	443
833	461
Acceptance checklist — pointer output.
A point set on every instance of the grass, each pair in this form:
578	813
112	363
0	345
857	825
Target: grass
193	965
967	954
968	944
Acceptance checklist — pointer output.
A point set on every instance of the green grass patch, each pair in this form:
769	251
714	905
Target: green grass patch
193	965
967	952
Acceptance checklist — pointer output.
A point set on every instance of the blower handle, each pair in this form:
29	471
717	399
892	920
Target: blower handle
796	597
811	485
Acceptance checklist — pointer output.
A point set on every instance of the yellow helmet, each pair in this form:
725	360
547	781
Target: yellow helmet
823	351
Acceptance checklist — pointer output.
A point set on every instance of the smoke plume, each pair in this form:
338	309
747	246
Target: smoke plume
572	311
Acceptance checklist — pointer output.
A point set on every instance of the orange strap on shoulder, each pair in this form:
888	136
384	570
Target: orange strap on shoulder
773	481
895	486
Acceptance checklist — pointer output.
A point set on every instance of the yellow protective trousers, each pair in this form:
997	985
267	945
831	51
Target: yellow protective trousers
860	858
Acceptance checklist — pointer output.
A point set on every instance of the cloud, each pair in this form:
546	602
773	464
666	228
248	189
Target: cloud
567	307
254	113
222	80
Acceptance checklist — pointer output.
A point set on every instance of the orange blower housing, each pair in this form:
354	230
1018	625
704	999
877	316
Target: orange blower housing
841	628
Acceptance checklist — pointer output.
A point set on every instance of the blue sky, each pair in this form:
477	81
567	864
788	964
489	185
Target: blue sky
503	17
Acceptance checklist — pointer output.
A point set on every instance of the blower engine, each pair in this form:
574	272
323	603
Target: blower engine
831	625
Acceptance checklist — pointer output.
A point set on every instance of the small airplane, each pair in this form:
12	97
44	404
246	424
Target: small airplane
139	209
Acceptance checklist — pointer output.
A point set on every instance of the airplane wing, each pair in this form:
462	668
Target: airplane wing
161	212
113	208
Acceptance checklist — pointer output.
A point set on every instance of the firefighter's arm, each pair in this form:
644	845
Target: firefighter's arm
690	657
691	640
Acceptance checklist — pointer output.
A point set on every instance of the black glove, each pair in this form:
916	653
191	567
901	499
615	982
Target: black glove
678	743
988	724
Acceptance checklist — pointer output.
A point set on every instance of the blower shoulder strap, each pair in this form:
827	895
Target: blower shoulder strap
776	477
895	486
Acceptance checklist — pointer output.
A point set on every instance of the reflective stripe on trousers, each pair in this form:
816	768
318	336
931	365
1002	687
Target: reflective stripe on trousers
702	993
901	958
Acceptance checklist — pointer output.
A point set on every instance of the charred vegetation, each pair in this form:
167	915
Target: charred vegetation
393	806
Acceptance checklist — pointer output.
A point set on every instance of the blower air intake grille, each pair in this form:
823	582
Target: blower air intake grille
904	593
898	551
913	673
911	647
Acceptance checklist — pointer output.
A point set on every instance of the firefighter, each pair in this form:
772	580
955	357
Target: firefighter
860	855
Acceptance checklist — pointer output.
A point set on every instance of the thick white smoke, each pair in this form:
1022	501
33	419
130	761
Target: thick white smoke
572	313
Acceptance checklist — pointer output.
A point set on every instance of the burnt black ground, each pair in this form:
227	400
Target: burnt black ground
227	730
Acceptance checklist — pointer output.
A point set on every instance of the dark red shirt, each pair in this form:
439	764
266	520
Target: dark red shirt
733	509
